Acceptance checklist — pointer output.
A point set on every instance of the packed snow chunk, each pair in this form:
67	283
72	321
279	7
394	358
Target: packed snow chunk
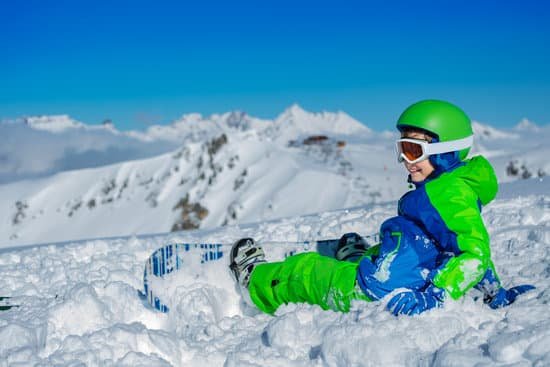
297	330
122	301
103	347
355	345
15	337
521	345
374	337
133	359
195	308
119	339
82	311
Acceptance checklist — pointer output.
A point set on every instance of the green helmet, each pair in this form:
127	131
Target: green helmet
443	119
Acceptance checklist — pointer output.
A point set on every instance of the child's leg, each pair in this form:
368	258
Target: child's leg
309	278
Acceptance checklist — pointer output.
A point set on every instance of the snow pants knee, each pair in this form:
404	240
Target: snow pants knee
305	278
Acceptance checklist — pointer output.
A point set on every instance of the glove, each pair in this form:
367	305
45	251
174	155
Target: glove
372	287
504	297
415	302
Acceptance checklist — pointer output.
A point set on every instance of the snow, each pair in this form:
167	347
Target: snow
525	124
485	132
303	122
78	296
79	304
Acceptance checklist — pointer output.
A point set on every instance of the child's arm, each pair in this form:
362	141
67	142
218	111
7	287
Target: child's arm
458	207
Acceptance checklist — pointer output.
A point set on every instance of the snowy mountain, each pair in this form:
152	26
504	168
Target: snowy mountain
295	121
292	123
234	177
44	145
207	172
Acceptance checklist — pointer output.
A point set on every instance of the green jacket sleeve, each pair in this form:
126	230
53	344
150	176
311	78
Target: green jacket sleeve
457	203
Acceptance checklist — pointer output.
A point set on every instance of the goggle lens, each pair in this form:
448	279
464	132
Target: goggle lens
411	150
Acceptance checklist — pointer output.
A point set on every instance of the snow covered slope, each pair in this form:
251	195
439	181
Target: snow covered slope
79	303
230	169
224	169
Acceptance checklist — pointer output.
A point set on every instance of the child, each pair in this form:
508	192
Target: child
436	248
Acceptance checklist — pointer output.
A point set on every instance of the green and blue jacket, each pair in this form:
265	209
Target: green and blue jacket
438	236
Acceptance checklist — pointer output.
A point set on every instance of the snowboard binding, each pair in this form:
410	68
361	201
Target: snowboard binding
351	247
244	256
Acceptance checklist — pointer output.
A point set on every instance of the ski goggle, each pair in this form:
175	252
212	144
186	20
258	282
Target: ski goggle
415	150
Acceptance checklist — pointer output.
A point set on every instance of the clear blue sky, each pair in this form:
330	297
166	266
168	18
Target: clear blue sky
143	62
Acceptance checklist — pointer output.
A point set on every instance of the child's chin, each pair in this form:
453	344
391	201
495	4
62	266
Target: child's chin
415	177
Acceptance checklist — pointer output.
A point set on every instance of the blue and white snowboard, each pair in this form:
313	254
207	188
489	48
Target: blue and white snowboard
200	260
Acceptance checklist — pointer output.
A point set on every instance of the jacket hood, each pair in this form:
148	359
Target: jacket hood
480	176
444	162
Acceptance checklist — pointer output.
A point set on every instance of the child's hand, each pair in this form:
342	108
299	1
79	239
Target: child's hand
505	297
415	302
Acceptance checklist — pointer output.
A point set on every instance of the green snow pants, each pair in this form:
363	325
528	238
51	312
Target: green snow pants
305	278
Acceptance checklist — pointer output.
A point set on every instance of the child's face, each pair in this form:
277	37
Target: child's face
419	171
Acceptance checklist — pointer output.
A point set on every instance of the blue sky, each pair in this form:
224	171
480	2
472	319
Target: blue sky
145	62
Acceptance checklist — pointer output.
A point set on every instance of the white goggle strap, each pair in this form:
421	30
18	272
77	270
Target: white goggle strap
449	146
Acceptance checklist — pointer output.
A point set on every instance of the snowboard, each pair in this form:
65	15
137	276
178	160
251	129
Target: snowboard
197	259
6	304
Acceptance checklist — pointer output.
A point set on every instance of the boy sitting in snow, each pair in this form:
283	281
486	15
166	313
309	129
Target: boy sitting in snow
436	248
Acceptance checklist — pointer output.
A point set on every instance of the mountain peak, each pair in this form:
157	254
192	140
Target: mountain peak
320	122
526	125
293	112
296	109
